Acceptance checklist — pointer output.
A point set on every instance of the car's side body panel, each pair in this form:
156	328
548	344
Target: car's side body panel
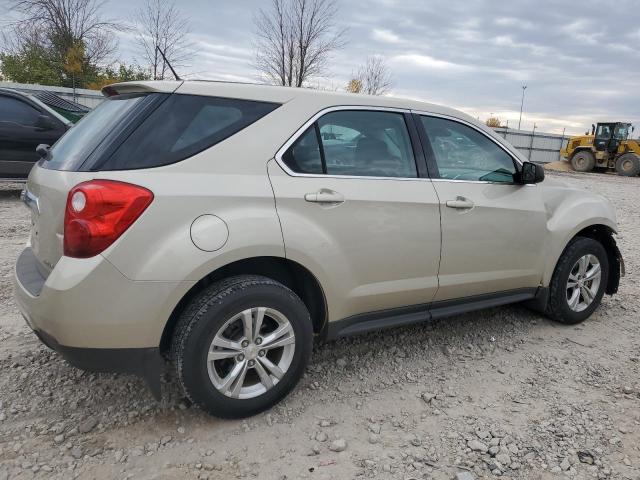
160	246
497	245
378	249
570	211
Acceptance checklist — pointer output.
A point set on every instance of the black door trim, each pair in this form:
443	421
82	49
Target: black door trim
396	317
426	146
416	144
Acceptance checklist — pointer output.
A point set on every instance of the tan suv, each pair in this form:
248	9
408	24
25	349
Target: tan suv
223	226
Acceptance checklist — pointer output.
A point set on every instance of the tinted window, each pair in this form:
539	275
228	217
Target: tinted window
17	111
182	126
70	152
621	132
463	153
366	143
304	155
355	143
604	131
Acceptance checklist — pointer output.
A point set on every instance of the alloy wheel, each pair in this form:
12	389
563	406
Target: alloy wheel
583	282
251	352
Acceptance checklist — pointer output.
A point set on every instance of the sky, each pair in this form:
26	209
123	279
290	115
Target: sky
579	60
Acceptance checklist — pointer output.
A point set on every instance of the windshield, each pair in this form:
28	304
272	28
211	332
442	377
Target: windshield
621	132
76	145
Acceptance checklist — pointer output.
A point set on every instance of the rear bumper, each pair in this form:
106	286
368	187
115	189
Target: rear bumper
94	316
143	362
88	303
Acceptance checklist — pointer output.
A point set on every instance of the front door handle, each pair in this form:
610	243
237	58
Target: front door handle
460	202
324	196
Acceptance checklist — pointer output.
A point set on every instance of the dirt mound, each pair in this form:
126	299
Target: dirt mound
559	166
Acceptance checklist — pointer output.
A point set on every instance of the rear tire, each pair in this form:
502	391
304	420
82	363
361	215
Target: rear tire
628	165
575	292
242	345
583	161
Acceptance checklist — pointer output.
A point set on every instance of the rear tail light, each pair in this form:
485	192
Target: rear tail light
98	212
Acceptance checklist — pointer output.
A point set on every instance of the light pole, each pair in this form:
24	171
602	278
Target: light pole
524	87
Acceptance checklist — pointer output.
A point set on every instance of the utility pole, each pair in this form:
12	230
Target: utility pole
524	87
533	136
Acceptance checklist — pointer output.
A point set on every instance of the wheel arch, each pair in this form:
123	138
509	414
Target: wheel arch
581	148
604	234
288	272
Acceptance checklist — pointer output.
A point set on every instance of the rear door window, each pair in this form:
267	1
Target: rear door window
182	126
363	143
367	143
304	155
17	111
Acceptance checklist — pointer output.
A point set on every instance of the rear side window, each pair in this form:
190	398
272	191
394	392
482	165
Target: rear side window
182	126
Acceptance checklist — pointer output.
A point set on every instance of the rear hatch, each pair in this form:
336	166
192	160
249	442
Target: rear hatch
74	157
139	126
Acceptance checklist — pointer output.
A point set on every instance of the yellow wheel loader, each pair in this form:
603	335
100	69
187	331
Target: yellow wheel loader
608	146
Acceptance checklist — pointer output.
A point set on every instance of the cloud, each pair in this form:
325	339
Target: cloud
385	36
426	62
580	66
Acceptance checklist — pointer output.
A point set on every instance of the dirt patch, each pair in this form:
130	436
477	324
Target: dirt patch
498	393
559	166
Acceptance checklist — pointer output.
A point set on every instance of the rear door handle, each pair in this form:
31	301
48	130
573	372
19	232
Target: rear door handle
324	196
460	202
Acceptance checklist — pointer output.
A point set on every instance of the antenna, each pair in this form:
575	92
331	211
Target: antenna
167	62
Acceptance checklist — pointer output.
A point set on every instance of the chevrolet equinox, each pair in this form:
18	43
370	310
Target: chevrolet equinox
223	226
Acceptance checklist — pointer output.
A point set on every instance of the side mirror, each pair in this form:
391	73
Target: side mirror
45	123
531	173
43	151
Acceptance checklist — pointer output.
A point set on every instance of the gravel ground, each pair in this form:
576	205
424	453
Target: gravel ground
502	392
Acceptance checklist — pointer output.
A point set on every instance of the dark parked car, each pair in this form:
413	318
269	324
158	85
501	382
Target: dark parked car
25	122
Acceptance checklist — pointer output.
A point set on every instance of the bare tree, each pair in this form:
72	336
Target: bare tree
295	39
65	23
372	78
162	24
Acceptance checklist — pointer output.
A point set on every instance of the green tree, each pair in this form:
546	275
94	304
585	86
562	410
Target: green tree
70	40
31	64
121	73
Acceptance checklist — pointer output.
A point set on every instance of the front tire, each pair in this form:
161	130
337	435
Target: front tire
578	282
583	161
628	165
242	345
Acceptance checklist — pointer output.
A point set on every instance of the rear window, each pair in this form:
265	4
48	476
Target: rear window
128	132
75	146
182	126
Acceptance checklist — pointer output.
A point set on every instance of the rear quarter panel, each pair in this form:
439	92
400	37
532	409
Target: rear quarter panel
159	247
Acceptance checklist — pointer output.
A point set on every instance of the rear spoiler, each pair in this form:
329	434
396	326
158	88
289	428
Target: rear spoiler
151	86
